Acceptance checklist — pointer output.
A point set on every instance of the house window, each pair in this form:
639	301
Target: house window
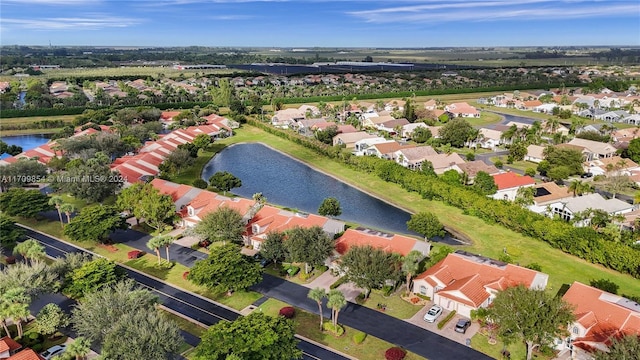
423	290
506	197
576	330
190	211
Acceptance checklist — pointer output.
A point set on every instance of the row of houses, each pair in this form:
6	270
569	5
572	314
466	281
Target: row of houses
463	282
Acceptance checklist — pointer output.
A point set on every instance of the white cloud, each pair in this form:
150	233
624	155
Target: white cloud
90	22
438	11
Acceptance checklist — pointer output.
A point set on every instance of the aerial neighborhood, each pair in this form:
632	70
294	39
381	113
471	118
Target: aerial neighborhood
509	226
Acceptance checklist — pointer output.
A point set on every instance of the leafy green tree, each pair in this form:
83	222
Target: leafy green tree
99	311
226	269
224	181
427	169
50	319
525	196
535	317
252	337
426	224
625	348
129	197
79	348
455	132
326	136
369	267
518	150
24	203
200	184
451	177
437	254
311	246
633	150
563	157
222	225
149	335
14	305
30	250
558	173
10	232
411	266
484	183
155	208
336	301
605	285
202	141
317	294
421	135
92	181
93	276
21	172
95	223
330	207
36	278
273	248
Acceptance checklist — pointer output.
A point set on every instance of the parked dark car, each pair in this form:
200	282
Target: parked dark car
586	175
462	325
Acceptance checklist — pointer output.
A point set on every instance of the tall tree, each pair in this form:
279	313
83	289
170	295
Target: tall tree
411	266
36	278
50	319
224	181
330	207
226	270
68	209
273	247
426	224
369	267
455	132
14	305
129	198
201	141
24	203
92	181
57	201
154	244
222	225
336	301
92	276
21	172
95	223
256	336
155	208
10	232
484	183
79	348
30	250
311	246
317	294
531	315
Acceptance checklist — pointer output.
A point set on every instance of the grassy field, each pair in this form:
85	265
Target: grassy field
308	325
520	165
133	71
395	306
22	120
488	240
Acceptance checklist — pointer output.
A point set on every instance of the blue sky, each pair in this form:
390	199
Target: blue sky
324	23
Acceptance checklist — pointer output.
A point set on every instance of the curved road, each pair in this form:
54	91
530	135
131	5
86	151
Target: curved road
189	305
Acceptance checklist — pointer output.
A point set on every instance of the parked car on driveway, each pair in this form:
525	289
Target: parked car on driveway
54	351
462	325
433	313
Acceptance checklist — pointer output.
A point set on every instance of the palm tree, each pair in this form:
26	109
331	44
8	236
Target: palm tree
318	294
57	201
154	244
79	348
67	209
166	241
336	302
552	124
411	266
30	250
576	187
14	304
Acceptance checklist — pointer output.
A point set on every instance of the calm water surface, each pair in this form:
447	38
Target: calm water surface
27	142
290	183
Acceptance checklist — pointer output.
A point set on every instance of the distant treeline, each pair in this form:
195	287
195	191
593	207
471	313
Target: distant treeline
404	94
14	113
43	124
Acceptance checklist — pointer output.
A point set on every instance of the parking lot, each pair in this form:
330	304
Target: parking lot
448	330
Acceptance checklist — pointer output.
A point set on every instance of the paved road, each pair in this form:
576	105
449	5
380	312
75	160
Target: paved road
193	307
413	338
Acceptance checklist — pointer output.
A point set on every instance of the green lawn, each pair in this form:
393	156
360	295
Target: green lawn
395	306
520	165
193	172
184	324
308	325
488	239
486	118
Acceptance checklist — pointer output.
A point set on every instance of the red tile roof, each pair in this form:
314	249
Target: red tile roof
270	218
26	354
388	242
511	180
470	275
8	344
604	315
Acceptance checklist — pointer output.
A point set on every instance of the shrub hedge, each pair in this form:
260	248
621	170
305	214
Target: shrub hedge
288	312
395	353
359	337
448	318
583	242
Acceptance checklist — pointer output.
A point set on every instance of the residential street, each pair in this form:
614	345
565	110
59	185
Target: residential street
189	305
396	331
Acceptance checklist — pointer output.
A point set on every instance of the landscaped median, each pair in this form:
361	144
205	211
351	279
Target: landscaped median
308	325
